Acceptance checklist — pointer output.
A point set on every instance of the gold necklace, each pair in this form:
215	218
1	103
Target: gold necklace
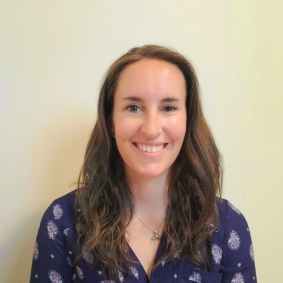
155	234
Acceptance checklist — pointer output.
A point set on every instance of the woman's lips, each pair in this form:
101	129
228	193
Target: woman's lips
150	148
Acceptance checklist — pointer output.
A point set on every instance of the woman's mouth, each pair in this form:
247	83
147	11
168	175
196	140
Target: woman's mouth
148	148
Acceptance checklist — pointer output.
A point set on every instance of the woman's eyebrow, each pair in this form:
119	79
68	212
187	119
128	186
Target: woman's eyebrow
133	98
170	99
139	99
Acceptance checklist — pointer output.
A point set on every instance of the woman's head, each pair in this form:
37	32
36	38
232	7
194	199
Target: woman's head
111	81
149	118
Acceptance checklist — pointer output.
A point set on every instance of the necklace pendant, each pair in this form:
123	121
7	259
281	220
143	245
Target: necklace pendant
156	236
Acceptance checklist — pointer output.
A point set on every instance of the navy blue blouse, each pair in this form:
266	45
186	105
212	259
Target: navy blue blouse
55	253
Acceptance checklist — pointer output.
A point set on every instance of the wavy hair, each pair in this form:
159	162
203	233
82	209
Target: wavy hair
105	201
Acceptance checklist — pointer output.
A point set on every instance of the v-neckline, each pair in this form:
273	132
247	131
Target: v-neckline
161	247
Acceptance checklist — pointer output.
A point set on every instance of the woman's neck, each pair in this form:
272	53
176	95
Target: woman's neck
150	196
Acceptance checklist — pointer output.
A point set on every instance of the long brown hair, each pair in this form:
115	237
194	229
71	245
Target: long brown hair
105	201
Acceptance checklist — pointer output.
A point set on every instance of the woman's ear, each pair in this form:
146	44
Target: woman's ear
111	130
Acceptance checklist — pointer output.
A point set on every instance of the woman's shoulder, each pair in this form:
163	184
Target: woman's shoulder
225	207
66	200
230	215
61	212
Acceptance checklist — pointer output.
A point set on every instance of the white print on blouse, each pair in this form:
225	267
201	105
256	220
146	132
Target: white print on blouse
35	251
238	278
87	257
234	241
55	277
69	261
176	255
234	208
216	253
52	229
195	277
252	252
80	273
57	211
135	272
121	277
66	232
99	272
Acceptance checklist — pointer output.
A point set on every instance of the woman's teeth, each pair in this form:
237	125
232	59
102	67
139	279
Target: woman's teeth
147	148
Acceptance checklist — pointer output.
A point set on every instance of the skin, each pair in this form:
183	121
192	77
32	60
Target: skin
149	121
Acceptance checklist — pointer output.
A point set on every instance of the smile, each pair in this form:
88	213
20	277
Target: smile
147	148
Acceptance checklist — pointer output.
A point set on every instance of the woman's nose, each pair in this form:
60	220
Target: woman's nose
152	125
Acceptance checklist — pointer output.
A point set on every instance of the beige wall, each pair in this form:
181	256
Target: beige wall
53	55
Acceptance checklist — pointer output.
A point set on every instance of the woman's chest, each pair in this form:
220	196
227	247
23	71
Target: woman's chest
170	272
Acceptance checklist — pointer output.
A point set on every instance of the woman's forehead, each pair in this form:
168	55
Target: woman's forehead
152	77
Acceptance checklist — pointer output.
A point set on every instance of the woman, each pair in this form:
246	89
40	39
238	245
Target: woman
147	208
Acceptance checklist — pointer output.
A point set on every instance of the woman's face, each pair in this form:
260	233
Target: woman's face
149	117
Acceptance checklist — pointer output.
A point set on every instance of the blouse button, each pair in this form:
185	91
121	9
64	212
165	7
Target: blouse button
175	275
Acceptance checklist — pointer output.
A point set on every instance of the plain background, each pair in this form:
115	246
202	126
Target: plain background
53	56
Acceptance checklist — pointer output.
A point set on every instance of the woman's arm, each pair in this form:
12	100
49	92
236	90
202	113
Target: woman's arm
53	252
237	264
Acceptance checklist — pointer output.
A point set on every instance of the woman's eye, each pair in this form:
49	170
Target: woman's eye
169	108
133	108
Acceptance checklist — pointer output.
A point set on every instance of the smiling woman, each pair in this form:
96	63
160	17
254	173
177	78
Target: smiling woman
148	206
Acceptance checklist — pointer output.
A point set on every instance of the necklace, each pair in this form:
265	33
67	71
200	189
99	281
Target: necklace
155	234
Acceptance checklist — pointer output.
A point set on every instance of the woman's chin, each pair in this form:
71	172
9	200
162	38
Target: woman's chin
148	173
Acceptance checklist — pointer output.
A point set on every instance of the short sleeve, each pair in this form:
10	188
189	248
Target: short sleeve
52	258
237	264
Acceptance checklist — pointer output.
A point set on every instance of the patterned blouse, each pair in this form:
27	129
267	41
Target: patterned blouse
55	253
